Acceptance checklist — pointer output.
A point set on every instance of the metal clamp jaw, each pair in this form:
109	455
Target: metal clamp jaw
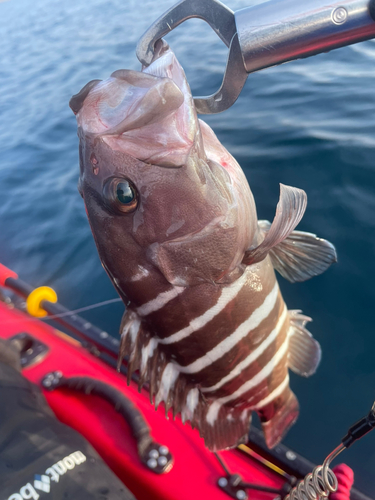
265	35
222	21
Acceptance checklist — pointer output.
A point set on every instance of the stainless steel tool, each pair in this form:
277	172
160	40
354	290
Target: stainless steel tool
265	35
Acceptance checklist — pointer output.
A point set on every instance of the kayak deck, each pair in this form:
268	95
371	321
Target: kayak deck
195	472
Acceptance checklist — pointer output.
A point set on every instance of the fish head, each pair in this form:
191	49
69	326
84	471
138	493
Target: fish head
155	200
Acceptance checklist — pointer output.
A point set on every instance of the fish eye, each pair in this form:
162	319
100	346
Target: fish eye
121	195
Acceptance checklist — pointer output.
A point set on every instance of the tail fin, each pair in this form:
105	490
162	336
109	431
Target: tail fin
277	417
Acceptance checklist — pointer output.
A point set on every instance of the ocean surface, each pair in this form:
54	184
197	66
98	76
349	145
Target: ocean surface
309	124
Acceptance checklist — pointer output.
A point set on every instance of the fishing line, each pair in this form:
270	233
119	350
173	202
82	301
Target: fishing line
81	309
70	313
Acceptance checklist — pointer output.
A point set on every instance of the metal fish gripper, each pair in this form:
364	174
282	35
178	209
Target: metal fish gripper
265	35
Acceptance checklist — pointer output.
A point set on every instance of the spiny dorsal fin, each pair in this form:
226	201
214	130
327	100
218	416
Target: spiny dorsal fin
301	255
304	351
129	328
289	212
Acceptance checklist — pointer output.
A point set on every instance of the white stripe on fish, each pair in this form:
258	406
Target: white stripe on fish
274	394
168	379
143	273
134	329
260	314
192	400
131	327
227	295
160	301
250	384
148	352
253	356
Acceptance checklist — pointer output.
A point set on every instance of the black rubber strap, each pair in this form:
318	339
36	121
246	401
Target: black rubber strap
123	405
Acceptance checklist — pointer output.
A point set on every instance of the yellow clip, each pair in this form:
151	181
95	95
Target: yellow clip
34	300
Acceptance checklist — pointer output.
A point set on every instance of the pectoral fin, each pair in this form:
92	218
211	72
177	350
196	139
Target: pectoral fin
301	255
289	212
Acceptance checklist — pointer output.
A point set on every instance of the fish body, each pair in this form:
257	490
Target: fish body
176	228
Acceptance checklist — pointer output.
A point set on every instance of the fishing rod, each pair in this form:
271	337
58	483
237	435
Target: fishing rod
265	35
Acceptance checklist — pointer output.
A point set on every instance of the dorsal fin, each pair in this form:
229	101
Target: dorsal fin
289	212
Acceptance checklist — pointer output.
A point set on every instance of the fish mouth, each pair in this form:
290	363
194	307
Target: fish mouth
77	100
148	114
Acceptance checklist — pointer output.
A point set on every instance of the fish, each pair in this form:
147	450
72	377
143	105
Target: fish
176	229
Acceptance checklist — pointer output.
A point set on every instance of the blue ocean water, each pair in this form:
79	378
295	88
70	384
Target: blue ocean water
309	124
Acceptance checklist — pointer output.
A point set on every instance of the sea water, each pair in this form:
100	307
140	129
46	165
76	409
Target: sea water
309	124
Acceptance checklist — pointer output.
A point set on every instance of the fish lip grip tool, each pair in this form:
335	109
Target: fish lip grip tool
222	21
265	35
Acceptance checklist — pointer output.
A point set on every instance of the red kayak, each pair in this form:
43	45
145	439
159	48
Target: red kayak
177	465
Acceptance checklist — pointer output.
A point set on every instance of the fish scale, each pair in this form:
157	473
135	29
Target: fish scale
205	325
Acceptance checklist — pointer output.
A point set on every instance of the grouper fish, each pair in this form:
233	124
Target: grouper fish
176	228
